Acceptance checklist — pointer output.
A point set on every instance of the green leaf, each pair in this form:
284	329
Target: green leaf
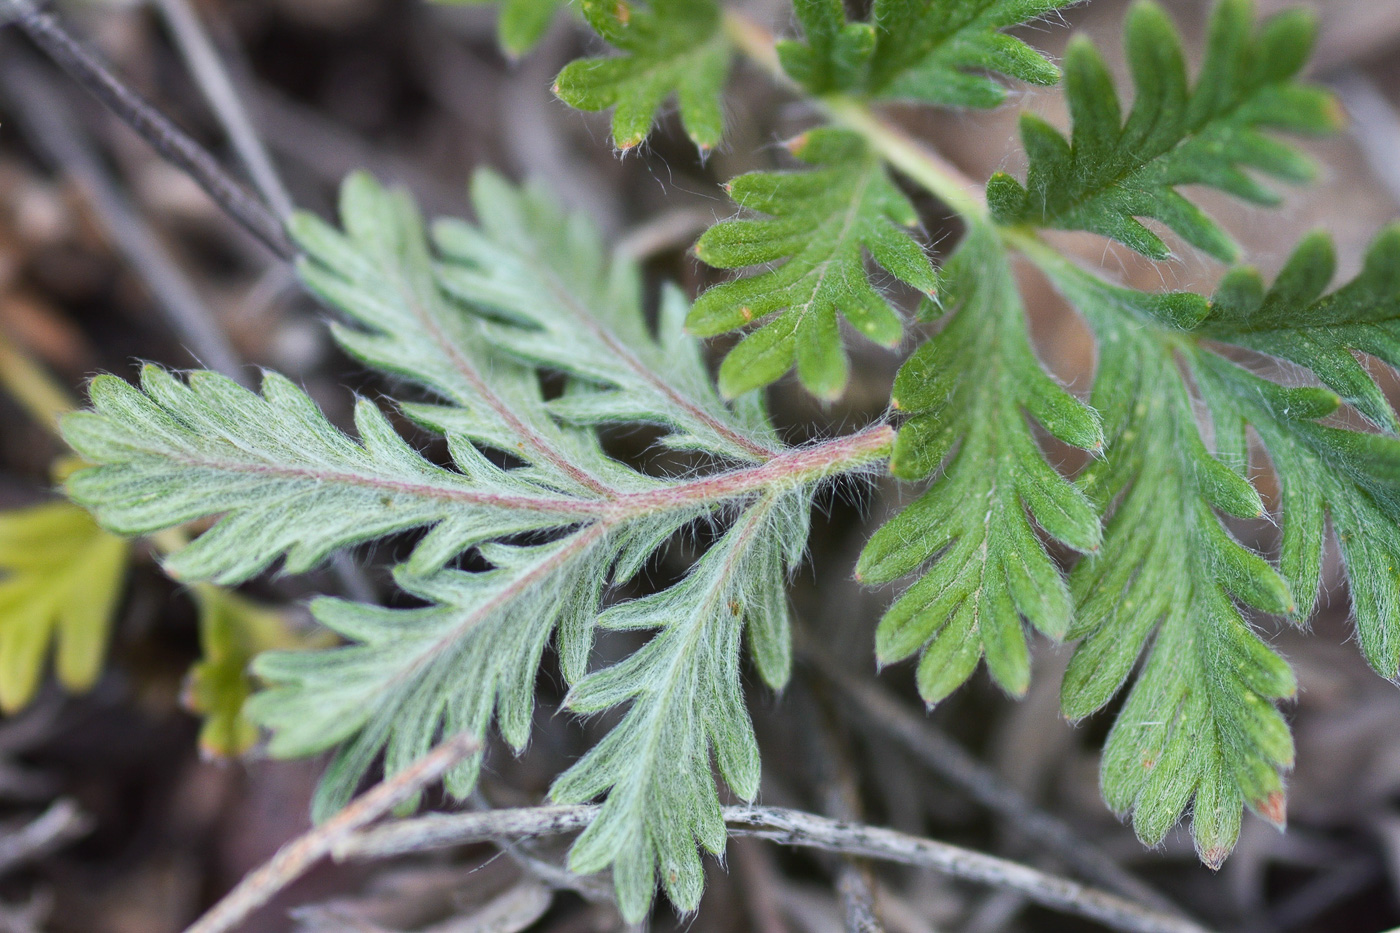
232	631
522	23
63	577
529	492
566	307
686	704
1297	321
284	480
1200	723
835	54
379	274
968	392
668	47
822	223
410	675
1324	471
947	54
1112	171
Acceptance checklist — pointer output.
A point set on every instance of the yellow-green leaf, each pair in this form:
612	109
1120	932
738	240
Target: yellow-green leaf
62	578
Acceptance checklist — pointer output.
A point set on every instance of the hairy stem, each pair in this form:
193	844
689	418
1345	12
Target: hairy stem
795	467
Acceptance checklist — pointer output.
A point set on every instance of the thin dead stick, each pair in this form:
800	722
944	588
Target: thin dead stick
293	859
953	763
446	830
173	143
806	830
589	887
61	823
788	827
204	63
45	117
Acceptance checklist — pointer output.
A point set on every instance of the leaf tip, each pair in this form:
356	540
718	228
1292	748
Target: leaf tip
1274	808
1214	857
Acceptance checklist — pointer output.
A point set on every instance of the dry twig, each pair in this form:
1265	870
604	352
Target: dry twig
293	859
173	143
45	116
208	69
788	827
950	761
60	823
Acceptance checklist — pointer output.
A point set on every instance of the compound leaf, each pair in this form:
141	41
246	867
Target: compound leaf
968	392
822	223
1112	171
668	47
555	520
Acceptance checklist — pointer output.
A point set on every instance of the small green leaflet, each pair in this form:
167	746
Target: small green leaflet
573	310
407	676
1295	320
686	702
1200	723
521	23
946	54
668	47
968	392
284	480
1110	171
822	223
62	578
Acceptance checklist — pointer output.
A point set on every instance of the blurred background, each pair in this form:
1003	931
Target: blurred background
109	256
